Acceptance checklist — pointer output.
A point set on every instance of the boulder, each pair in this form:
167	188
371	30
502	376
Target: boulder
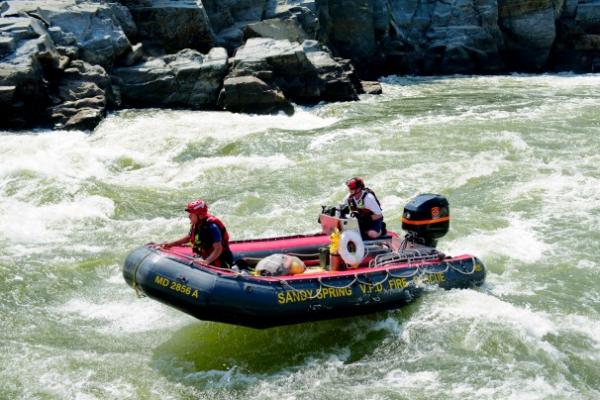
291	70
340	81
529	31
225	13
575	49
84	114
249	94
166	26
371	87
230	17
185	79
461	36
27	66
302	12
347	27
135	55
92	27
570	9
287	29
124	18
82	97
588	16
462	49
7	93
306	73
7	45
232	37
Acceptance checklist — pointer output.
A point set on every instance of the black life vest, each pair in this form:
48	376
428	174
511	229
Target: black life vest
202	242
358	206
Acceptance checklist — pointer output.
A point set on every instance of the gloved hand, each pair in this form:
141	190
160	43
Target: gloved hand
344	210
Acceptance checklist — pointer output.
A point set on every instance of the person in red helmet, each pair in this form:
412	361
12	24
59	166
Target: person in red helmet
363	203
208	236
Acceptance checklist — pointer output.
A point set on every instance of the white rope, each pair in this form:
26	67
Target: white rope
387	275
339	287
290	287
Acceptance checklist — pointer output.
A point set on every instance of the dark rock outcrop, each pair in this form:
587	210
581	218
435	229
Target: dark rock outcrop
93	29
529	31
305	73
166	26
304	13
83	94
230	17
249	94
28	60
337	76
65	62
371	87
460	36
347	27
287	29
577	46
185	79
281	64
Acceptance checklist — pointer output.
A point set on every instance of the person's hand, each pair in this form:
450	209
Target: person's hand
166	245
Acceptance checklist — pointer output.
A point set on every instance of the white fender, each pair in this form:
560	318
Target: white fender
351	257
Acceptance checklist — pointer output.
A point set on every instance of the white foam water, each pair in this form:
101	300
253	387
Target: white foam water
515	155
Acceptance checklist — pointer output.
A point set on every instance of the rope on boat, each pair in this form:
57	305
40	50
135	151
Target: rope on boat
417	273
291	288
339	287
409	275
387	275
473	270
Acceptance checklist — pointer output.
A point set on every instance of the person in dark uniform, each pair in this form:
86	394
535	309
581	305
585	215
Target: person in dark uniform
364	205
208	236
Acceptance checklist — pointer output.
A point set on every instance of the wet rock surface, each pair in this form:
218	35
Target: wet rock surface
65	63
83	96
249	94
185	79
166	26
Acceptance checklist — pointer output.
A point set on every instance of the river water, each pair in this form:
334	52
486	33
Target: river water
517	157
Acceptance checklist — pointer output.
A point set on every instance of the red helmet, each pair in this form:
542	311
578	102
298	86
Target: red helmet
198	207
355	183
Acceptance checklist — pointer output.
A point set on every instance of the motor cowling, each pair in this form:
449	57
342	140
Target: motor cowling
426	218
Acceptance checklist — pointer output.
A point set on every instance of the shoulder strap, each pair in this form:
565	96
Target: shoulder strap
219	223
368	190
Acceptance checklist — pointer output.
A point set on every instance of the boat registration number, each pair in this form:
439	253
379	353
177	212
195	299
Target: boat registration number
176	286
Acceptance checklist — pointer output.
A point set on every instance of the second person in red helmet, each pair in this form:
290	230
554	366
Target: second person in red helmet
363	203
208	236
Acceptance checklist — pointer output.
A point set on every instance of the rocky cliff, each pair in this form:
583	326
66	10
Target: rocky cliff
65	63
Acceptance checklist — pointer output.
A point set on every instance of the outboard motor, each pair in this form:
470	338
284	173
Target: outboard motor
426	218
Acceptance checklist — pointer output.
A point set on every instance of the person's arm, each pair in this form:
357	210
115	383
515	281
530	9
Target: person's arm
371	204
177	242
217	249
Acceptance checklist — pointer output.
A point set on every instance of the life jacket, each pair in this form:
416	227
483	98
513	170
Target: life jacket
358	206
364	214
202	242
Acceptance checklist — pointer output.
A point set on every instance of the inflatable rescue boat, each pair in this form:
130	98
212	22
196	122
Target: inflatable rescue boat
293	279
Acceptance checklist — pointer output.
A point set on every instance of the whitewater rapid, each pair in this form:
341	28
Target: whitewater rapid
517	157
